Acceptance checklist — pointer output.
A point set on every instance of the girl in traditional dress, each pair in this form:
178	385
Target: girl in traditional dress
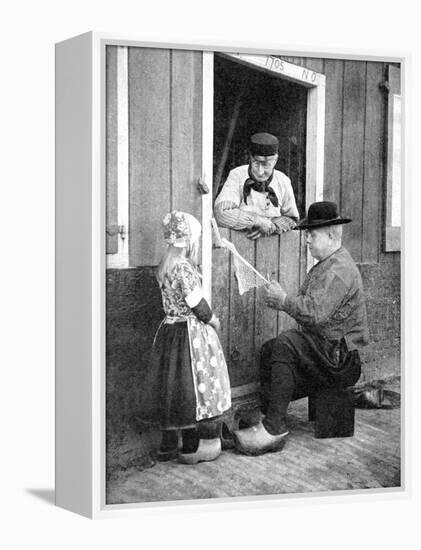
187	385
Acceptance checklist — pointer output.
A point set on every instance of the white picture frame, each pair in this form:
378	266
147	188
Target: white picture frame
81	261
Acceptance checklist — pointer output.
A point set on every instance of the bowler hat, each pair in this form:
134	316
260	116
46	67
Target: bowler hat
263	144
321	214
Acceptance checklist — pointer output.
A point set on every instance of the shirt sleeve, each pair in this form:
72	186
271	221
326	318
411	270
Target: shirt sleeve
288	205
202	311
228	214
227	205
320	301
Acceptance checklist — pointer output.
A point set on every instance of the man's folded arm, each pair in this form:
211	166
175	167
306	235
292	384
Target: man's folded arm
228	214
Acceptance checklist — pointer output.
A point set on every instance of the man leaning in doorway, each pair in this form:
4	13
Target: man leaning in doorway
256	197
330	309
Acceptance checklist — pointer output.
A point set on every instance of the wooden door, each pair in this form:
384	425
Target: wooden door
247	101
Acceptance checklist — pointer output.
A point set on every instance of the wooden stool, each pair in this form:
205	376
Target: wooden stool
333	411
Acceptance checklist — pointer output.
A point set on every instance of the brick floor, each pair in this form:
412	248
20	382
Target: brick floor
370	459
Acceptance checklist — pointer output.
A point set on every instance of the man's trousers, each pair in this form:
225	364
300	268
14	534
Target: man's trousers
296	364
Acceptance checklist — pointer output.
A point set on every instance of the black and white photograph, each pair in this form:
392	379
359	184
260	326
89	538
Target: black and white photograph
253	274
210	275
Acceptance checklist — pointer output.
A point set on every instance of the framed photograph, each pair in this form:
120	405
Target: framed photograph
192	185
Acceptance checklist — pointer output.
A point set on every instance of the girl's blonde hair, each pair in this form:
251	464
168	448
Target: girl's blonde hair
174	255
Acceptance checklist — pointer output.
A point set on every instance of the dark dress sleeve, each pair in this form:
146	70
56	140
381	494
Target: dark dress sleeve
191	290
202	311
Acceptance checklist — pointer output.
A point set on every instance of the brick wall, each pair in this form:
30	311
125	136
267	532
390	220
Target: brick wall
133	311
382	286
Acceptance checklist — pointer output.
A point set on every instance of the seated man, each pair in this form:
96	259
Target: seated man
330	308
256	197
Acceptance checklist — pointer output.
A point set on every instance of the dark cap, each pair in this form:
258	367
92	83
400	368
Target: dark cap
263	144
322	214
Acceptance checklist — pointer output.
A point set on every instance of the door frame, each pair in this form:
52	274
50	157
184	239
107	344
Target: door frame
315	135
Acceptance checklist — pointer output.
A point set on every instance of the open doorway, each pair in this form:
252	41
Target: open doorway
248	100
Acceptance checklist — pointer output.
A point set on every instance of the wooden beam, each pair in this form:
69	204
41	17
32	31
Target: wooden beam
279	67
207	171
315	147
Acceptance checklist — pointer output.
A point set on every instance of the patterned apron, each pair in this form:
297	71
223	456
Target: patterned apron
209	369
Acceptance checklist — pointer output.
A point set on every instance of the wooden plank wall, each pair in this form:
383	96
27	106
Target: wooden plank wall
149	150
334	71
165	144
186	130
241	352
353	153
354	148
373	164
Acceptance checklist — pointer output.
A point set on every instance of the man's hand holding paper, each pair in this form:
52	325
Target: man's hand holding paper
274	295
